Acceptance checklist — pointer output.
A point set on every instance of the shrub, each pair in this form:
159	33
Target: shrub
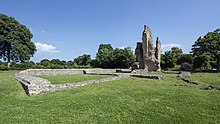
3	67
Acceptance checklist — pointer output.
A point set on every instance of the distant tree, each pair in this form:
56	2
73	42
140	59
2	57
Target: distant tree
123	58
176	52
208	45
56	62
202	62
94	63
45	62
83	60
169	59
69	64
185	58
104	55
15	40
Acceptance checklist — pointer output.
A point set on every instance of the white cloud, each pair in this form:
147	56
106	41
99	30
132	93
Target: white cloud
41	47
122	47
43	31
163	46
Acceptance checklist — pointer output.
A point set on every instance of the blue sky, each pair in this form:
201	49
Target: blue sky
65	29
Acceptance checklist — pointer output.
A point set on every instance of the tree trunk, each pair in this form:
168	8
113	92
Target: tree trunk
8	57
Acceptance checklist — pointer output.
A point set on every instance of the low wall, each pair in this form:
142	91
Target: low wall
47	72
34	85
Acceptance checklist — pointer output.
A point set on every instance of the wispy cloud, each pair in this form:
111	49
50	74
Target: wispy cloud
47	48
164	46
43	31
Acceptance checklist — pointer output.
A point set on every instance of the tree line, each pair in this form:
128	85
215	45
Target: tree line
106	57
16	49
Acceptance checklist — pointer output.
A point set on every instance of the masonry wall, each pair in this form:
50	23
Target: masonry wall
47	72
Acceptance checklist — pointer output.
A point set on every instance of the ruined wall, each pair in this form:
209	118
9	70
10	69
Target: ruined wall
45	72
150	60
139	55
34	85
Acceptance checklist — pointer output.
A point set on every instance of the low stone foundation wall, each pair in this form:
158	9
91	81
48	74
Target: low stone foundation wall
34	85
47	72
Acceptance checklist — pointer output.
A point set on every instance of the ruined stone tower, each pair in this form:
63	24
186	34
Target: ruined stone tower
147	56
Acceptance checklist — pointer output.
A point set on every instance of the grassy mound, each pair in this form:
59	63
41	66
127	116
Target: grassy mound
130	100
62	79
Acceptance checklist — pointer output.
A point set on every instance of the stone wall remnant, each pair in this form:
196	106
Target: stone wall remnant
147	56
34	85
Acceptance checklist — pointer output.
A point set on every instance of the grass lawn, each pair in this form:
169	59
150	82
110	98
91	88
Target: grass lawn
130	100
207	78
62	79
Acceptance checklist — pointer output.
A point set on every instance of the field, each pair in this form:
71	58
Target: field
130	100
62	79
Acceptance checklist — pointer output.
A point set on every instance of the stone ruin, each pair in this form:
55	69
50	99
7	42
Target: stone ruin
33	84
147	56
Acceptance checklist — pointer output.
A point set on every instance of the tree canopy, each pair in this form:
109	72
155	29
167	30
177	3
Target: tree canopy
84	60
104	55
208	45
108	57
15	40
169	59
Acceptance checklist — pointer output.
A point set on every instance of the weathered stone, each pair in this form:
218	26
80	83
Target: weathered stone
186	67
34	85
139	55
148	59
185	74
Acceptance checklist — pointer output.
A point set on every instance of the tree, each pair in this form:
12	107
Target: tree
104	55
56	62
45	62
15	40
169	59
202	62
185	58
83	60
123	58
208	45
107	57
176	52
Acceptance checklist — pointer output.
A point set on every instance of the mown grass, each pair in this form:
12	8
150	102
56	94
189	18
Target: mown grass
62	79
130	100
206	78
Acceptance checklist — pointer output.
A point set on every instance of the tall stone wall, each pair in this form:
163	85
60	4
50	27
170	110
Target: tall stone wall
148	56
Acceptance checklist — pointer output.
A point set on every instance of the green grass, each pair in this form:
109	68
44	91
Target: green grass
206	78
62	79
130	100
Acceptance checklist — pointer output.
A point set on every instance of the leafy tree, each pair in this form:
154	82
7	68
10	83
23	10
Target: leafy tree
107	57
176	52
185	58
45	62
202	62
56	62
169	59
15	40
123	58
104	55
24	65
83	60
69	64
208	45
